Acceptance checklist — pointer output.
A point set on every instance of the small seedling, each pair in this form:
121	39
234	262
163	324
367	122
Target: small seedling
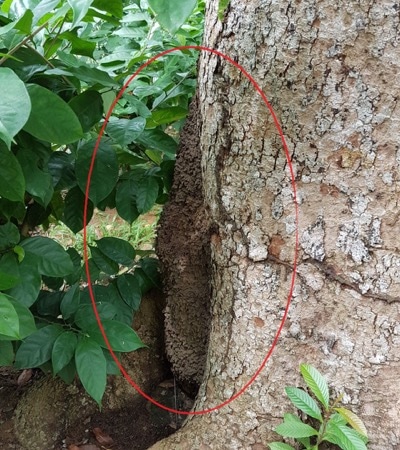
328	423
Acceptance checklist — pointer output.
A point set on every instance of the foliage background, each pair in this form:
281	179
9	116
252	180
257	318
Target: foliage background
62	64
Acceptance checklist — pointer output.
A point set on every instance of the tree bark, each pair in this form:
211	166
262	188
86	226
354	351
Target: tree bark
331	73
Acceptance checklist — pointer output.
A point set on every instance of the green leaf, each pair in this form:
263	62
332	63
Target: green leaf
120	336
115	8
9	323
147	193
125	131
15	106
6	353
9	236
20	252
104	263
130	291
166	115
24	24
316	382
27	290
79	46
126	199
80	9
88	107
70	302
12	181
344	437
27	324
37	348
91	366
353	420
90	75
117	249
112	368
280	446
51	119
172	14
53	260
38	182
73	212
7	281
304	402
156	139
61	167
63	350
67	373
105	171
295	430
84	317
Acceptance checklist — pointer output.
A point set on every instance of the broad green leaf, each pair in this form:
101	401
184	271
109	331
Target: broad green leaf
15	106
90	75
295	430
80	9
280	446
73	212
28	288
24	24
67	373
126	199
112	368
304	402
120	336
166	115
104	263
36	348
53	260
76	259
288	417
48	303
6	353
38	182
61	167
51	119
88	107
130	290
150	270
26	320
172	15
146	194
344	437
316	382
125	131
63	350
91	366
117	249
9	236
12	181
9	323
105	170
79	46
156	139
115	8
70	302
7	281
353	420
85	319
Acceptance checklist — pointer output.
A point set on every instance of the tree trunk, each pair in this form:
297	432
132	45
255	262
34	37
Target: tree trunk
331	73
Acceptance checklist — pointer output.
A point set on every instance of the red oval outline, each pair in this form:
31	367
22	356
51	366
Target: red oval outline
85	248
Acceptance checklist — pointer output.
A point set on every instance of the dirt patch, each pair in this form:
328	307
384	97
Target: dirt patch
136	427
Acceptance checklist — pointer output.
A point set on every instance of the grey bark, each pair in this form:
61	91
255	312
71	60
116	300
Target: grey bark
331	72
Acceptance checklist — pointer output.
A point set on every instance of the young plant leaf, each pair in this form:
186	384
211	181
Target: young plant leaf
316	382
353	420
91	366
147	193
130	290
6	353
304	402
280	446
295	430
344	437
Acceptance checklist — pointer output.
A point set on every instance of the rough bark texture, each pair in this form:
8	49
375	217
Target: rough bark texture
331	72
183	249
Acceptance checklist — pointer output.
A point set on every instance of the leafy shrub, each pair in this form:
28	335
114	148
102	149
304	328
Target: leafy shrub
62	64
333	423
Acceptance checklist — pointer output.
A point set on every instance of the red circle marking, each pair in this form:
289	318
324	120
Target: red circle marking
85	249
